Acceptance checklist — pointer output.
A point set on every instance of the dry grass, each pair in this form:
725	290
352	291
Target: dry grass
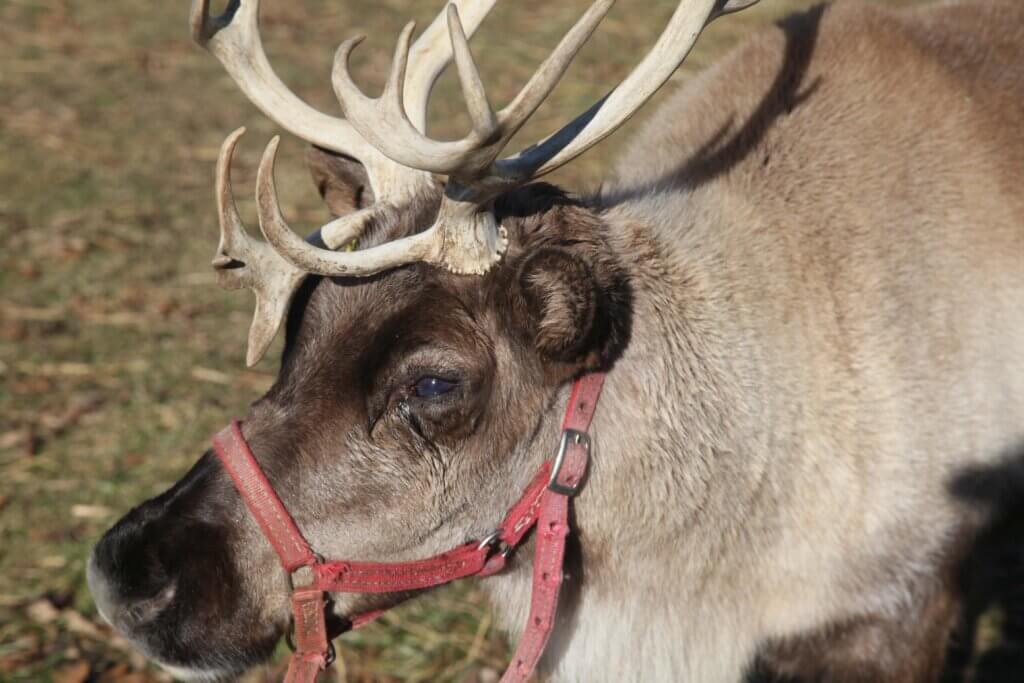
118	355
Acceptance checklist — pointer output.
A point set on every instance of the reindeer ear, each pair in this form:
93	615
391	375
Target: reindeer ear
341	180
561	301
570	296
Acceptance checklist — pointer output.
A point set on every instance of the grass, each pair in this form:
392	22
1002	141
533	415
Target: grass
118	354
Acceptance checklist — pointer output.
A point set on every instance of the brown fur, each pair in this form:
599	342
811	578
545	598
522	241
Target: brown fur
806	278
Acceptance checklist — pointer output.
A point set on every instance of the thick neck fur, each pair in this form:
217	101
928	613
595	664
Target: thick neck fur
811	369
662	436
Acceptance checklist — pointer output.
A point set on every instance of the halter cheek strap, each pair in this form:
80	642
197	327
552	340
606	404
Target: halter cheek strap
544	504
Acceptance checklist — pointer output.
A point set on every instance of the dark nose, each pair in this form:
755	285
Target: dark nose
129	579
142	563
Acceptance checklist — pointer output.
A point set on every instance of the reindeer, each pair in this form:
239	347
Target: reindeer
803	284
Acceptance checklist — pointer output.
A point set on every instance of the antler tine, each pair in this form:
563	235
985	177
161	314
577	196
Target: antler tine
479	107
234	39
233	237
385	125
391	132
604	117
550	72
472	86
243	262
393	96
424	246
432	52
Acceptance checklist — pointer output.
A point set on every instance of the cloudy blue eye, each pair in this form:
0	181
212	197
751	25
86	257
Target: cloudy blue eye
432	387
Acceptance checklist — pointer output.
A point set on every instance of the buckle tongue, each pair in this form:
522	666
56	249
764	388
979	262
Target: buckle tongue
570	437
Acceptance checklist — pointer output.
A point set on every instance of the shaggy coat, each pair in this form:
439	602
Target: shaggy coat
806	280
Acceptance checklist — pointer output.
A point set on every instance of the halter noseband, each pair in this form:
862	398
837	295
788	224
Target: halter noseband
544	504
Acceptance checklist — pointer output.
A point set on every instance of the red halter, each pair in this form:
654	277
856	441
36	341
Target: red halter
544	503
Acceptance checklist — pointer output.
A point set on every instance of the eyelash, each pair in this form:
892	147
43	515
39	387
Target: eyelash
409	416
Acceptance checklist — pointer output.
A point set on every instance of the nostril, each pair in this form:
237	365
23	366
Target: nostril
123	611
128	577
139	612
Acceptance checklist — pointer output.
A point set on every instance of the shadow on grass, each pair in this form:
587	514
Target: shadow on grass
989	643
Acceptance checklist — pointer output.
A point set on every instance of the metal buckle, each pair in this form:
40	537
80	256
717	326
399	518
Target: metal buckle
569	436
493	540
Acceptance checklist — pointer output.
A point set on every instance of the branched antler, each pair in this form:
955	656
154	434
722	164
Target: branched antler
388	135
384	123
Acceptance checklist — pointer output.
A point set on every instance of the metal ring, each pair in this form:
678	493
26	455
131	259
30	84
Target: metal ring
493	541
490	539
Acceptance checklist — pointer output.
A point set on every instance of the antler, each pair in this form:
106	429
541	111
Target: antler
384	123
234	39
431	53
388	134
242	262
465	238
606	115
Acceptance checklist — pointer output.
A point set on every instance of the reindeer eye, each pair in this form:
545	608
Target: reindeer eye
432	387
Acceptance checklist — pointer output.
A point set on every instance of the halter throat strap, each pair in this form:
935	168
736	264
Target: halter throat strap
544	504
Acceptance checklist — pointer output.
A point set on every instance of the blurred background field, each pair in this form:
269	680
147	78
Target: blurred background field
118	353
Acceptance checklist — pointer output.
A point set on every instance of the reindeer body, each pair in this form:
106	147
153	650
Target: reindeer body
805	282
825	236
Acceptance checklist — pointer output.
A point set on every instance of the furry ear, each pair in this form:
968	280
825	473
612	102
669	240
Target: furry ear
569	295
341	180
561	301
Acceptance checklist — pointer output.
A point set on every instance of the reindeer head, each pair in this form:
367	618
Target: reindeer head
413	401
